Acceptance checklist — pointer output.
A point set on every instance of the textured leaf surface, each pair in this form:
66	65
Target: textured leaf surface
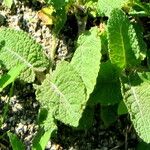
106	6
122	41
63	94
137	99
86	59
16	47
107	82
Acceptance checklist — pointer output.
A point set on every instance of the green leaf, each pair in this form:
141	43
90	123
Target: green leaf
136	93
41	139
106	6
109	114
57	3
63	94
86	59
15	142
122	41
107	82
122	109
8	3
17	47
10	76
88	117
140	37
60	19
47	127
143	146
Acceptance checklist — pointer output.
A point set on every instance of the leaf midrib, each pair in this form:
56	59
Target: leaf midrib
137	101
65	101
19	57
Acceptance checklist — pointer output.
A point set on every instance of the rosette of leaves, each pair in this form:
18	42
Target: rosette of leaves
17	47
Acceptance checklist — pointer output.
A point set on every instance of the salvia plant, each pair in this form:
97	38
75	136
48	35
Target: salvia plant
106	68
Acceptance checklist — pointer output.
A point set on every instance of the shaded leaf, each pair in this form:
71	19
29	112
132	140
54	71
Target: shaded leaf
109	114
107	90
87	118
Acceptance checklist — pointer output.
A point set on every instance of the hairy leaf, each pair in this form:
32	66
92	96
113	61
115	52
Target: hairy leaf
17	47
86	59
136	93
122	41
106	6
63	94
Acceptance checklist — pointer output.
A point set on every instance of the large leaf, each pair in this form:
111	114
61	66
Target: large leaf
136	91
63	94
106	6
122	41
86	59
107	82
17	47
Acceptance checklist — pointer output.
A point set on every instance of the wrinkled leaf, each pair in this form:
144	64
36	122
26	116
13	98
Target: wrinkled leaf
17	47
107	90
106	6
86	59
63	94
136	92
124	49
